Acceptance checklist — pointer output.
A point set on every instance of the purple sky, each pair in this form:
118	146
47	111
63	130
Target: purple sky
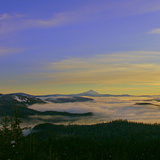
70	46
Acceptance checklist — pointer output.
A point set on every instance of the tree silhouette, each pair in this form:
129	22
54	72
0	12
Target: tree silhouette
11	137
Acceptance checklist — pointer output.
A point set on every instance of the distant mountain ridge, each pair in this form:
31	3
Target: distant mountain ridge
21	101
69	99
93	93
90	93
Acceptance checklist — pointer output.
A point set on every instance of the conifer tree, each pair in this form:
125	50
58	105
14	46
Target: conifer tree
11	137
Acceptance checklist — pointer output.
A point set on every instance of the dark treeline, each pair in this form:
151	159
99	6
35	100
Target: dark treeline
116	140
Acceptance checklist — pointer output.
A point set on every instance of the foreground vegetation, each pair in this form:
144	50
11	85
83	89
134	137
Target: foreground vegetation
116	140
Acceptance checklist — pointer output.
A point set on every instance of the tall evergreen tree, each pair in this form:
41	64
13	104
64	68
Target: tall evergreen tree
11	137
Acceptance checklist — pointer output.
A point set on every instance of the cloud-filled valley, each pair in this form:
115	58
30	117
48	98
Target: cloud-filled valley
107	109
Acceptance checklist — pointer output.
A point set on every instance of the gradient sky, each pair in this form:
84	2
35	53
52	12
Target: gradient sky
70	46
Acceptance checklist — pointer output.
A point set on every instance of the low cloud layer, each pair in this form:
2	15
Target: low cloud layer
108	108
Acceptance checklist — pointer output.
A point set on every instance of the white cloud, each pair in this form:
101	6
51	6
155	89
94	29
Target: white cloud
4	16
94	11
155	31
15	22
7	51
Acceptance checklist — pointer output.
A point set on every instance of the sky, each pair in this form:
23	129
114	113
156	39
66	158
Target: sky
71	46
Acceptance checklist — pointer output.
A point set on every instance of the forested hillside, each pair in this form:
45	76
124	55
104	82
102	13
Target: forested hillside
116	140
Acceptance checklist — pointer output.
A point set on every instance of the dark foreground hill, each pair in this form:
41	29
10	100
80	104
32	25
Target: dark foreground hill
116	140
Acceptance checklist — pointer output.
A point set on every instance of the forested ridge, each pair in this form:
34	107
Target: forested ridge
115	140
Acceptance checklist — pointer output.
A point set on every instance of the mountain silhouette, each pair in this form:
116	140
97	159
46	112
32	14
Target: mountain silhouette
89	93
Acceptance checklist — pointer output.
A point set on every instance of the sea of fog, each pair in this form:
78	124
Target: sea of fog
104	109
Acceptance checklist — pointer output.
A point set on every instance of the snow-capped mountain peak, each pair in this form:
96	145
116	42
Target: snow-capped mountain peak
90	93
